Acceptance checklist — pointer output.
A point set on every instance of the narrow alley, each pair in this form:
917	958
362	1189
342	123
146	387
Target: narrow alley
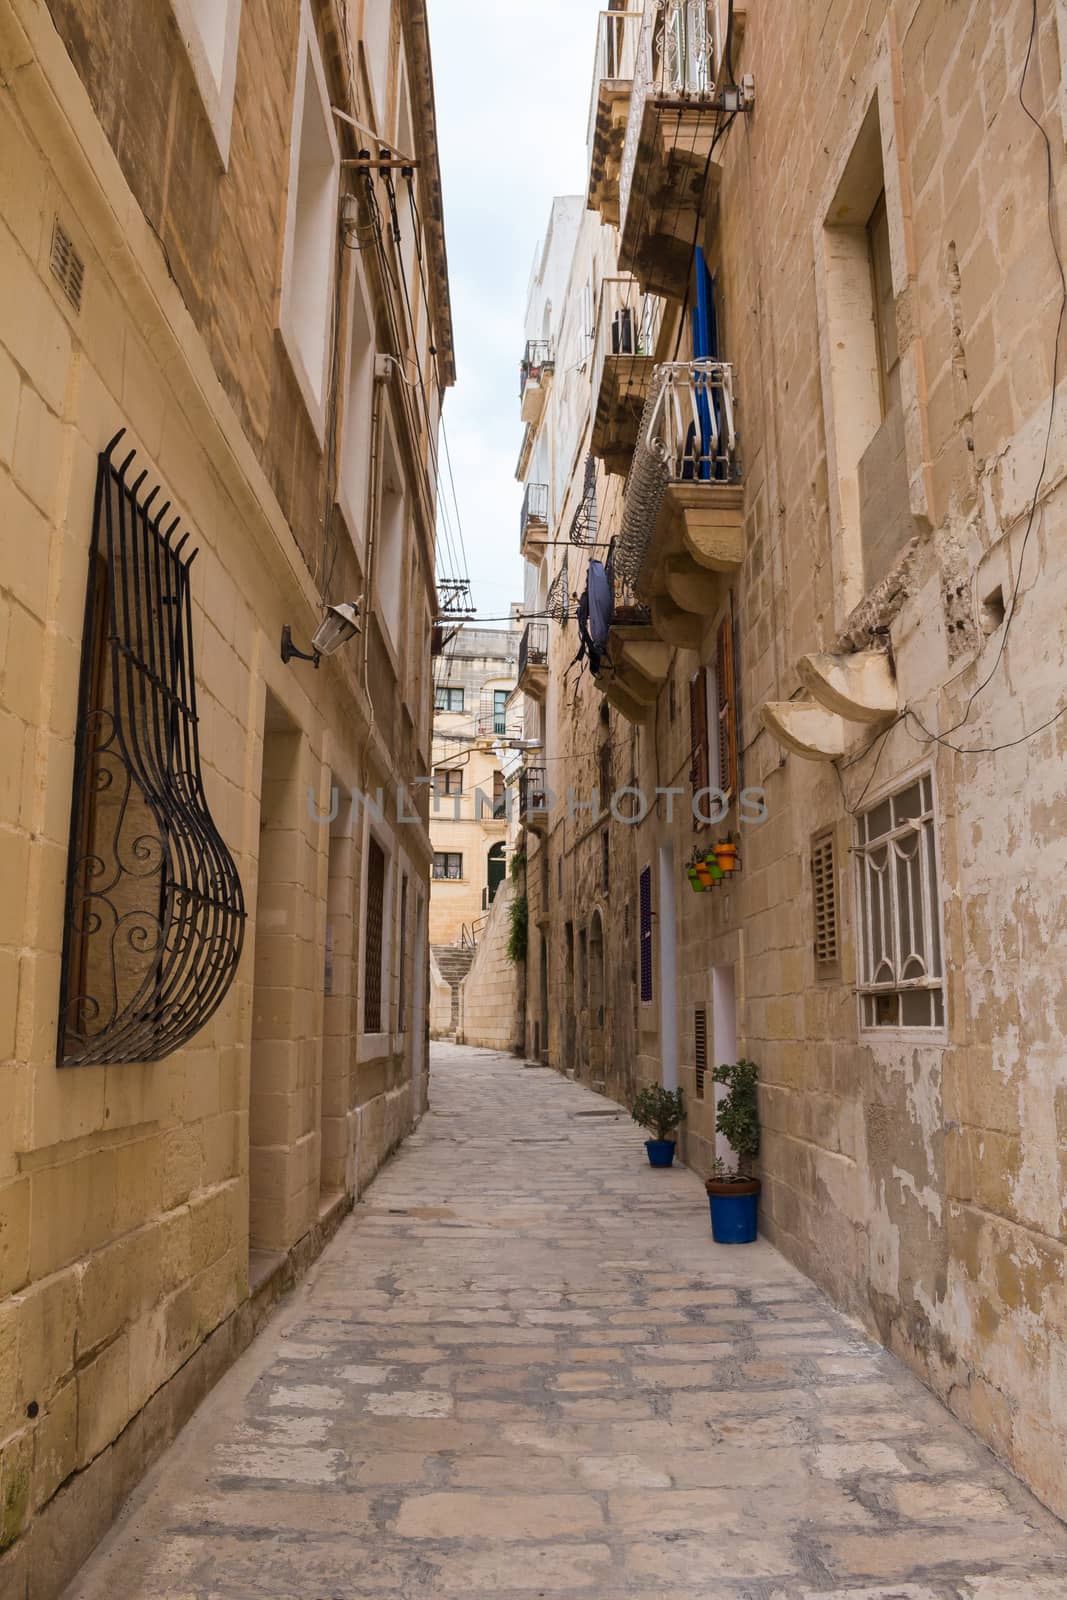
522	1367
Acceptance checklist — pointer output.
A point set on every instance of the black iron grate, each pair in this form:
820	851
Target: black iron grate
155	913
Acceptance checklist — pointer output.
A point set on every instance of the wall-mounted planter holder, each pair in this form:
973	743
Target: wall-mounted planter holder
706	871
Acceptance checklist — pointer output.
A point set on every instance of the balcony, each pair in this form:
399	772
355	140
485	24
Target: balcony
623	363
533	521
682	534
669	132
538	365
533	799
617	40
533	660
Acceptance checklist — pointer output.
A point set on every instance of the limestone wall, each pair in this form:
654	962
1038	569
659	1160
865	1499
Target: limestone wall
918	1174
489	995
440	1003
151	1211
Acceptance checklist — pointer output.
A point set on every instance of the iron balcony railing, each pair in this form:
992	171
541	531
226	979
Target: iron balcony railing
627	324
626	608
533	791
534	510
617	38
675	60
533	647
537	361
687	435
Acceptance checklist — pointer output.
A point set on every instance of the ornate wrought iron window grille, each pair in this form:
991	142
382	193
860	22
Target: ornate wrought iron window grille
155	913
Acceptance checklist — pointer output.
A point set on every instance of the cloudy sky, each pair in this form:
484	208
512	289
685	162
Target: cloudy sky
513	79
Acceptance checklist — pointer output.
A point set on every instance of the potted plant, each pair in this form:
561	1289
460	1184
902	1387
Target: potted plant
733	1193
726	854
659	1110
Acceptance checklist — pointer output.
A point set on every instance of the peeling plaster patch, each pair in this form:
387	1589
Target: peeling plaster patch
411	1403
308	1397
1036	1191
884	1237
928	1198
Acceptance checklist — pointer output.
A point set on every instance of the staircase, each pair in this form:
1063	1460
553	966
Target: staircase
454	961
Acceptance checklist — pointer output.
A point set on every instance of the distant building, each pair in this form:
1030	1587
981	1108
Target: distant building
475	712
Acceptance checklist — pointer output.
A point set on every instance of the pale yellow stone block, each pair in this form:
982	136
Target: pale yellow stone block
55	1444
31	326
103	1399
48	1314
14	1234
25	543
9	407
38	452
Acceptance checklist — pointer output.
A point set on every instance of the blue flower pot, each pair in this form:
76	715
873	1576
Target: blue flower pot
660	1152
734	1209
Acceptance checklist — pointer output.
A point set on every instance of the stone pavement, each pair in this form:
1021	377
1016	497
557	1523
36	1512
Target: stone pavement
523	1369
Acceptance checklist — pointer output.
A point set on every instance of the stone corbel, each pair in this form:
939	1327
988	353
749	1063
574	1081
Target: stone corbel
859	687
676	625
805	728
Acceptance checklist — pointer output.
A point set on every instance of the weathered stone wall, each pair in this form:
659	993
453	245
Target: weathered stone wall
918	1177
440	1003
489	994
149	1213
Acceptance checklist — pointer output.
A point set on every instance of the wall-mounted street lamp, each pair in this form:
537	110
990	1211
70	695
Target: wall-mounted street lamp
340	624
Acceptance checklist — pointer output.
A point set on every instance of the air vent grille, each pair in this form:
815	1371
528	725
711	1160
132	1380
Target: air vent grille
68	268
824	900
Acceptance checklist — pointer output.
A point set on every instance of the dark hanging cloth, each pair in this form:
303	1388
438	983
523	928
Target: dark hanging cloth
594	617
600	604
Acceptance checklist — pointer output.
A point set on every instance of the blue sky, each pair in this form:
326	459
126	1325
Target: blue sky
513	79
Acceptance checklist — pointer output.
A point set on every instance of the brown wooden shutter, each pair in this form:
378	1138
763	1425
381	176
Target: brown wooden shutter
700	1048
727	707
698	733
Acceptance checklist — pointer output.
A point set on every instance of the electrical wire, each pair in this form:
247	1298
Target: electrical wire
1050	203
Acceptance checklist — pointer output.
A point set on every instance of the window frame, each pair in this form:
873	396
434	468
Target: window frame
446	876
866	989
449	689
353	478
313	386
217	89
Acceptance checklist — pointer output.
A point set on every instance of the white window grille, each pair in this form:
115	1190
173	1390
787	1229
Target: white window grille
824	901
901	972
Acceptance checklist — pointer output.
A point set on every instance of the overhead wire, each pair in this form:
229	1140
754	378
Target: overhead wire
1050	210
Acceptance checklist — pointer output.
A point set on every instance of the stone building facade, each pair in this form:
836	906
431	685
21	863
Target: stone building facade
830	453
192	255
474	712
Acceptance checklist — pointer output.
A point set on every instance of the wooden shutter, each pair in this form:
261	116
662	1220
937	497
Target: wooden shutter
727	706
700	1048
372	959
698	736
824	901
402	958
646	935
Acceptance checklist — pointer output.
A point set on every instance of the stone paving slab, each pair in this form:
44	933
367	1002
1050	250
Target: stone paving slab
524	1369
